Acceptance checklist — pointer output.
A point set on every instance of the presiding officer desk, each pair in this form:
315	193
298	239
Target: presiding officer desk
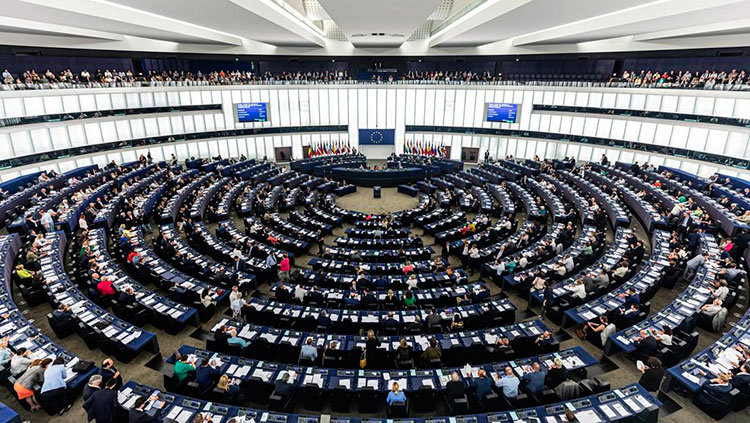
21	333
380	177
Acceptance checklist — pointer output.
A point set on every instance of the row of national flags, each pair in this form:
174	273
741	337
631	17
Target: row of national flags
425	148
329	148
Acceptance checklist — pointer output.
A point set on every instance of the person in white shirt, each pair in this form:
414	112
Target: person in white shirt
236	306
300	292
82	223
569	263
498	266
721	292
664	336
234	294
559	268
621	270
412	282
712	308
538	283
578	289
48	221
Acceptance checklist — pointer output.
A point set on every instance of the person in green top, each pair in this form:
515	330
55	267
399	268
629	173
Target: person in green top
409	299
183	367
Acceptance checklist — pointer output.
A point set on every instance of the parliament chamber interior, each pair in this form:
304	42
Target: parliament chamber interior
329	211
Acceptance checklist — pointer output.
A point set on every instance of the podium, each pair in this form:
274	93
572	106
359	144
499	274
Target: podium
376	192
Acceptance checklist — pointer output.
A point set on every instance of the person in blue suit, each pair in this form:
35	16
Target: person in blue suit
713	389
535	378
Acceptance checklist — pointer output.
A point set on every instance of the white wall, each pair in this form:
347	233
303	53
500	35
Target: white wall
370	106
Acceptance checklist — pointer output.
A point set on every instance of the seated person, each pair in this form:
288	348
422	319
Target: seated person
127	297
331	352
236	340
324	320
603	328
721	291
482	385
205	374
663	336
105	289
308	351
138	413
455	387
712	389
63	314
508	382
403	352
741	379
645	346
395	395
544	339
285	387
712	308
652	374
431	353
457	323
535	378
390	321
183	367
556	374
230	389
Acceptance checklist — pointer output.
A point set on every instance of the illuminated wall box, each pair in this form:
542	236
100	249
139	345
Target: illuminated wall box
502	112
251	112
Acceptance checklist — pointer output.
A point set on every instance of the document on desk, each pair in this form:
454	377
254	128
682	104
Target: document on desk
633	405
587	416
608	411
243	371
184	416
174	412
692	378
640	399
346	383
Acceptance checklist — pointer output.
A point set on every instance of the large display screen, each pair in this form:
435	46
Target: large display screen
502	112
251	112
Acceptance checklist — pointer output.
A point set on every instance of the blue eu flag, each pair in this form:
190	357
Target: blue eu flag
377	136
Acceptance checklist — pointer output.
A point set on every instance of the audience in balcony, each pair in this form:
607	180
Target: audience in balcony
682	78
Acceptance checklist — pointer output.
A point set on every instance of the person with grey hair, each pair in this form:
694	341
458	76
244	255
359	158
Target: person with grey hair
95	384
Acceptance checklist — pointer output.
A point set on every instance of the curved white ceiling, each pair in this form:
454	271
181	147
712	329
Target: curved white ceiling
346	27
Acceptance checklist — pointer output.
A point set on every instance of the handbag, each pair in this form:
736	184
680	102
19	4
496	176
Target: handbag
362	360
82	366
581	332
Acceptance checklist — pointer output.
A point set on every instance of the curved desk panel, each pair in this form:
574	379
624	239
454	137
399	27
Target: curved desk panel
383	178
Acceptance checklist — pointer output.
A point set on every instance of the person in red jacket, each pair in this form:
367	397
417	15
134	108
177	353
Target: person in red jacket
284	267
105	288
